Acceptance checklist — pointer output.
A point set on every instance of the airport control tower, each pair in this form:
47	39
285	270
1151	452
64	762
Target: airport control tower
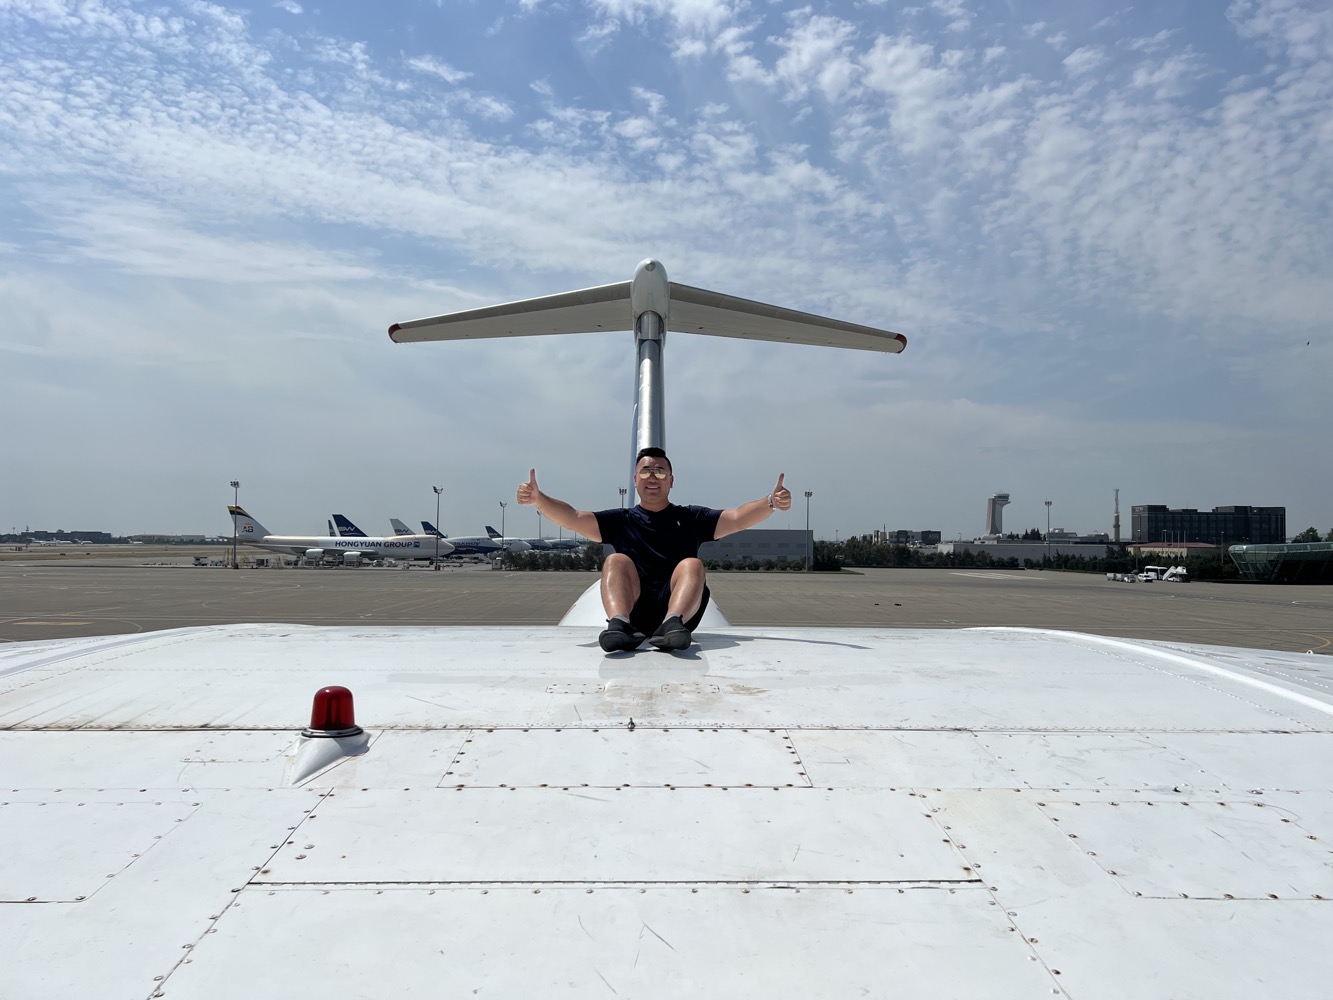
995	513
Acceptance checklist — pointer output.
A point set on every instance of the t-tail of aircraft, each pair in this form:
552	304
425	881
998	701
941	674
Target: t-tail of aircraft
648	304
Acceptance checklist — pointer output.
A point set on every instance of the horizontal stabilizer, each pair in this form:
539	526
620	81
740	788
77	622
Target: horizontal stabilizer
607	308
697	310
589	310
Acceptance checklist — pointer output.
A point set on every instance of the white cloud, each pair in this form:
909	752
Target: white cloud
1084	60
1295	29
955	12
1170	78
447	73
917	88
817	53
597	36
1153	43
690	16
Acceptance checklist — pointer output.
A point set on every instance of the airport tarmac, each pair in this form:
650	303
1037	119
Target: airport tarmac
42	599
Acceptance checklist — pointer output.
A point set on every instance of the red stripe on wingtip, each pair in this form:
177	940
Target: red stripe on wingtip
392	330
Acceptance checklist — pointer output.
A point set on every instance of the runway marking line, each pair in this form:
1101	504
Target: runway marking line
48	621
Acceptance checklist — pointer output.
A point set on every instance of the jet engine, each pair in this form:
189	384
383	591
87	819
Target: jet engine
314	555
351	558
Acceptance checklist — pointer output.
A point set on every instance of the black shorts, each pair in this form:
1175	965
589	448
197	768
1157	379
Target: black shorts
650	609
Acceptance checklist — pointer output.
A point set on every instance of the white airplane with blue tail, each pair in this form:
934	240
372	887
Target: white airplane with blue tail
349	549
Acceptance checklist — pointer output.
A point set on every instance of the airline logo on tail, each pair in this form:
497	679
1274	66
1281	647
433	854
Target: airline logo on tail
346	529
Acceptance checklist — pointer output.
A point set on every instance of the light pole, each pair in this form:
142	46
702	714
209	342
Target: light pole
810	542
623	491
235	502
503	505
1048	530
438	490
539	527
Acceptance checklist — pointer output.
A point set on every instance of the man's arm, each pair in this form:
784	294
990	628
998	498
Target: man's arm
747	515
581	522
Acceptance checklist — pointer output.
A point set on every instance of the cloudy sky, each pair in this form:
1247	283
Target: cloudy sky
1105	230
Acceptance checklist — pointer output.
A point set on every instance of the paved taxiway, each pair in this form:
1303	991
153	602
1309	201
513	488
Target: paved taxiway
40	600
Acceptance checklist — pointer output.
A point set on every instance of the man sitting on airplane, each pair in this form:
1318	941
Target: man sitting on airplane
653	584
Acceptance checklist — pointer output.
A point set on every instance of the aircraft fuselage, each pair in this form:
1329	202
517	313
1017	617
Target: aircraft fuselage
396	547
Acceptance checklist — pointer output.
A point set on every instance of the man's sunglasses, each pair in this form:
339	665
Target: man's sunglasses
645	472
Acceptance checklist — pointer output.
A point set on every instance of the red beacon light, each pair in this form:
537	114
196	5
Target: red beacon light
332	714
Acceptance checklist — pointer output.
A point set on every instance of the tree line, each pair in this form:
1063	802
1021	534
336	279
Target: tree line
830	557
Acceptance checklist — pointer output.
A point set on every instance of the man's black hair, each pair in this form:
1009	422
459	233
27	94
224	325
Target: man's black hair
652	453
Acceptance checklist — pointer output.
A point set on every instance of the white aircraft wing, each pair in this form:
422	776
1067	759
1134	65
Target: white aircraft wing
589	310
803	812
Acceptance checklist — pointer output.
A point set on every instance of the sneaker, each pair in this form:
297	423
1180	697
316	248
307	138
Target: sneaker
671	634
619	635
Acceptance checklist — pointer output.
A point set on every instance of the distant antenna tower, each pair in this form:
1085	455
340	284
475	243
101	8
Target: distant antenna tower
1117	516
995	513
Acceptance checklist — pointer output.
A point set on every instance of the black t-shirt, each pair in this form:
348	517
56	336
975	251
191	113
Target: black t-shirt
657	540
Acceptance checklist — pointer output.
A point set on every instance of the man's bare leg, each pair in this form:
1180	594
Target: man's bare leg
620	585
687	592
620	589
687	589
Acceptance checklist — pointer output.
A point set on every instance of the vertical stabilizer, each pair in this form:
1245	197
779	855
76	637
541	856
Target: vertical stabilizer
346	529
245	525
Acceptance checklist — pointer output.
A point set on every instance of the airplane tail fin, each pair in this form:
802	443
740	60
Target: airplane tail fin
399	528
332	533
245	525
346	528
492	532
430	529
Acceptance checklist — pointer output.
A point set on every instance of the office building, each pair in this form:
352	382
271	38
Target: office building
1220	526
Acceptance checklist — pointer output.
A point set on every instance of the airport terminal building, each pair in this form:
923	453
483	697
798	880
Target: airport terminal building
758	544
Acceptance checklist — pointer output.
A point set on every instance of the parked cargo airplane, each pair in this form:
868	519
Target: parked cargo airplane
813	812
512	543
465	545
350	551
558	544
